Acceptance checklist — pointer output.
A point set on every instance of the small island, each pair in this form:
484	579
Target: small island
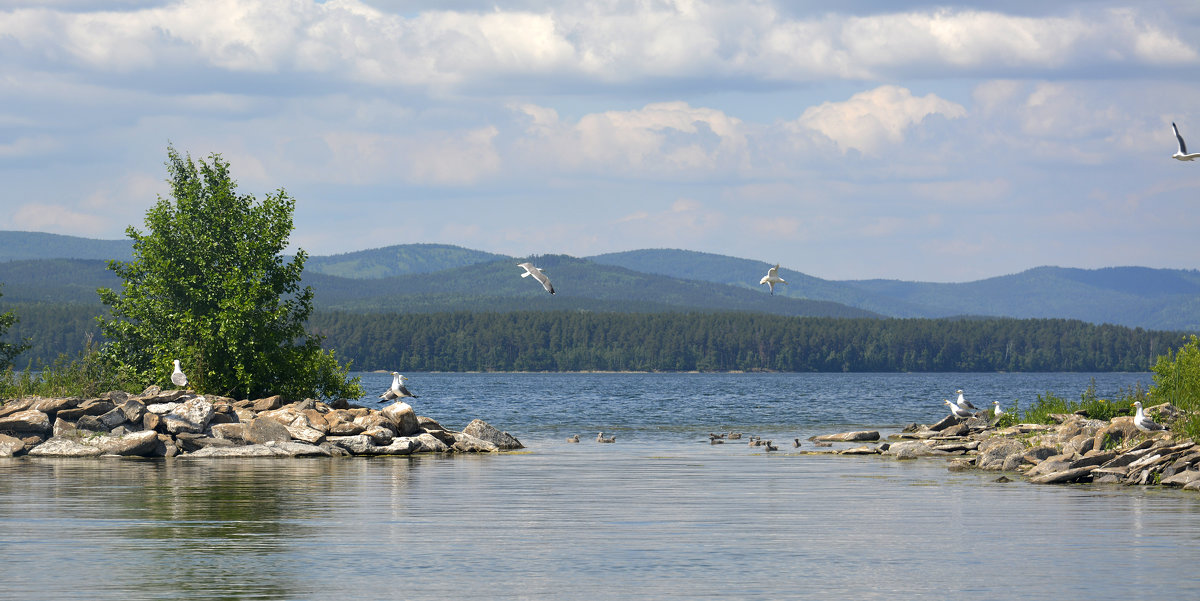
170	423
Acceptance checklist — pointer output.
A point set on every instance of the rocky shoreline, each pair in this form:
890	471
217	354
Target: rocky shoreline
180	423
1074	450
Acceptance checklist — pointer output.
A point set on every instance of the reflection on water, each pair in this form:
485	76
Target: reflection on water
661	514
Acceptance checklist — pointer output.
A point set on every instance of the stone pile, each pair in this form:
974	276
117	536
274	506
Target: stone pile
1075	449
168	423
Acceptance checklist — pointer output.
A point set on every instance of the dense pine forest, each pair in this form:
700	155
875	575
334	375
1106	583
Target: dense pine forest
578	341
583	341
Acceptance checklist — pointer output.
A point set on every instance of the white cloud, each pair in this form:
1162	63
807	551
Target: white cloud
58	219
869	120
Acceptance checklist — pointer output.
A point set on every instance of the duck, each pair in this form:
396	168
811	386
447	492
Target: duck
574	438
600	438
795	443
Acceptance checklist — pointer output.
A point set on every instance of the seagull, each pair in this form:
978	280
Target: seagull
398	390
955	410
1182	154
996	410
600	438
538	275
964	403
178	378
772	278
1143	421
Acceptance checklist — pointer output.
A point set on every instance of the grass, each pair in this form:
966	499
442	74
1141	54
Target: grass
86	375
1177	381
1089	403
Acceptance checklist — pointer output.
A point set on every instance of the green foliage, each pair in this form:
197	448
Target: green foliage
88	374
1088	404
9	350
1177	381
209	286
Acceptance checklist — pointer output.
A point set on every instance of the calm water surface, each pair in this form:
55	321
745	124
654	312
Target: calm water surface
661	514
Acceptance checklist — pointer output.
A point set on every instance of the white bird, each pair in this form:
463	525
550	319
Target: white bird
397	390
538	275
963	403
996	410
600	438
955	410
1182	153
1143	422
772	278
177	377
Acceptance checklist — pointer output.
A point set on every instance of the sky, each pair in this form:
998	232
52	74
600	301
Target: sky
899	139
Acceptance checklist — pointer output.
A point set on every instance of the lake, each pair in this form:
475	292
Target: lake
660	514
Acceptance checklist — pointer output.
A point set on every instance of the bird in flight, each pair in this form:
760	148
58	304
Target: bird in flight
1182	154
538	275
772	278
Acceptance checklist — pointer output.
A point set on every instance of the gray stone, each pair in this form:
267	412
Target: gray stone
428	443
402	415
911	449
380	435
250	450
294	448
359	444
399	446
161	408
946	422
1051	465
139	444
65	446
503	440
465	443
994	452
134	410
230	431
863	450
29	421
1182	478
91	423
51	406
190	416
262	430
112	419
860	436
11	446
1094	460
1079	474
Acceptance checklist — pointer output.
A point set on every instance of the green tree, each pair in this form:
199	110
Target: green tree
9	350
208	285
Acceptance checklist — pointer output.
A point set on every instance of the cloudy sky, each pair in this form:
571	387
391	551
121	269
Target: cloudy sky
847	140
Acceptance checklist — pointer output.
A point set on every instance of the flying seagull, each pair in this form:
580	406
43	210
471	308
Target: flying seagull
1182	154
538	275
1143	421
177	377
955	410
964	403
398	390
772	278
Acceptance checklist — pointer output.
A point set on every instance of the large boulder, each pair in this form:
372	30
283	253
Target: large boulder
503	440
262	430
29	421
11	445
137	444
190	416
465	443
994	452
1117	431
402	415
860	436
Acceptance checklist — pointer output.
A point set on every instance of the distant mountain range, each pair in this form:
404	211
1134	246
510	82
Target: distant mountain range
39	267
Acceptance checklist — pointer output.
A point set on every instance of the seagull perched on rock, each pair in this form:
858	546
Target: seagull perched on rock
397	390
177	377
963	403
955	410
996	410
538	275
1182	153
772	278
1143	421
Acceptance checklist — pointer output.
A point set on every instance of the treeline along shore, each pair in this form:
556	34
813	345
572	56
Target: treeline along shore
586	341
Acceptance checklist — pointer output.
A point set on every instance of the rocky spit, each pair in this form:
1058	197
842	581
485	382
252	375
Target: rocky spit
170	423
1075	449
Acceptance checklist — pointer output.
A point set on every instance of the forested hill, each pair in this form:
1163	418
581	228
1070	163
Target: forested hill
18	246
574	341
402	259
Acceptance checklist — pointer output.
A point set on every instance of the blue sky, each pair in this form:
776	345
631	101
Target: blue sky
905	140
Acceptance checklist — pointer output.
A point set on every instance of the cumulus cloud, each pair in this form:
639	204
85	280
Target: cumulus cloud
871	119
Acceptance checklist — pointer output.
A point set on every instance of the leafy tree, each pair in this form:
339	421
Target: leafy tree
208	285
9	350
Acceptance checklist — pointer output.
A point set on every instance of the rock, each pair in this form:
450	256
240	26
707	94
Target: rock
190	416
11	446
946	422
402	415
96	407
262	430
250	450
161	408
428	424
231	431
29	421
863	450
431	444
1079	474
51	407
1002	479
10	407
503	440
139	444
1117	431
1094	460
268	404
380	435
112	419
994	452
955	431
911	449
294	448
134	410
465	443
1183	478
860	436
1051	465
360	444
399	446
151	421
